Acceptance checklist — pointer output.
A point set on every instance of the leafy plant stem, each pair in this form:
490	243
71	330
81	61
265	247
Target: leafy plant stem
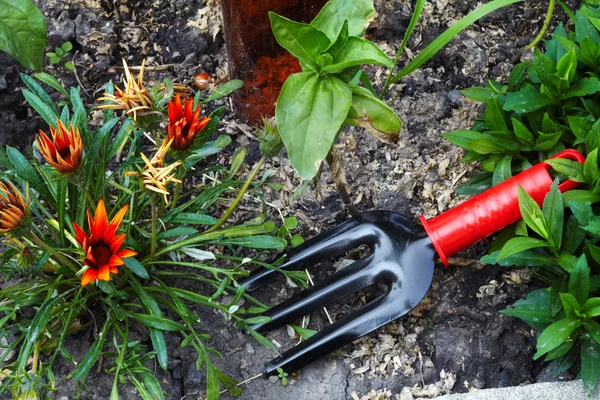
154	219
180	173
36	356
545	27
411	26
241	193
59	257
338	173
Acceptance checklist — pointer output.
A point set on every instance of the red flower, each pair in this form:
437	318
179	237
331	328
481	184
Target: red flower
102	247
63	151
184	123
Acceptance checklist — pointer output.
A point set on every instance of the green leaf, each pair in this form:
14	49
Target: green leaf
49	114
52	82
304	333
257	242
567	66
136	267
485	146
583	87
579	281
532	214
261	339
590	167
310	111
373	114
519	244
547	141
580	126
156	322
339	42
212	382
224	90
581	196
152	386
570	169
358	51
553	211
583	29
448	35
590	364
527	258
194	219
25	171
517	75
34	330
358	13
303	41
564	363
526	100
591	308
554	335
494	115
560	350
462	138
480	94
593	328
503	170
23	32
92	355
37	89
522	133
570	304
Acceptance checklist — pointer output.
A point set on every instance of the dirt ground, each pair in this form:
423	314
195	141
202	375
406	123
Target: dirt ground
455	340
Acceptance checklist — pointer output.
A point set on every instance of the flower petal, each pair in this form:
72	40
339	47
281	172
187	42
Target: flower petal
104	273
116	243
100	220
126	253
115	261
81	235
89	275
114	225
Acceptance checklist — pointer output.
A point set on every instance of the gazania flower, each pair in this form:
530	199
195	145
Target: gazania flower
102	248
64	150
133	98
184	123
156	176
13	208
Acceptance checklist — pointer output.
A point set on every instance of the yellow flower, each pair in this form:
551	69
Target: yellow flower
133	98
155	176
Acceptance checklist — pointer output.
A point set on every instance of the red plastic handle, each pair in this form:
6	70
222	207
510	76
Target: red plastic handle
492	210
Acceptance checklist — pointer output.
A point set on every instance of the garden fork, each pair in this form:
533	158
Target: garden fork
401	256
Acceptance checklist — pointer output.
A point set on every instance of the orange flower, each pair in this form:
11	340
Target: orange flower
102	248
63	151
13	208
184	123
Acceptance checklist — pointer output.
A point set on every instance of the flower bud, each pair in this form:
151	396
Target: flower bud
26	260
269	138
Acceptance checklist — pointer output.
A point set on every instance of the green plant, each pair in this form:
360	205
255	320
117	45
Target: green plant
60	55
102	237
549	103
314	104
23	32
283	376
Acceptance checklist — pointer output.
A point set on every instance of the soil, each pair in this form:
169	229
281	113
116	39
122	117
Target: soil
455	340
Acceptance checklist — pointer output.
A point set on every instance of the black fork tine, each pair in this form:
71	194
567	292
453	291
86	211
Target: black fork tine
342	238
368	318
344	283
